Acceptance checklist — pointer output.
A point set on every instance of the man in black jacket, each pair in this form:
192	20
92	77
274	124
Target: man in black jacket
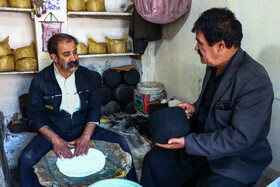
64	108
230	120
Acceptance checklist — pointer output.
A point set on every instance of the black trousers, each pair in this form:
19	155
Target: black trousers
175	168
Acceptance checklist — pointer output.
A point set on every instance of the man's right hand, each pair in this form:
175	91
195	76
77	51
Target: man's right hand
189	108
61	148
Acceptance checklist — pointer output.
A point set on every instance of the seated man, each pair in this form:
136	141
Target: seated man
64	108
230	121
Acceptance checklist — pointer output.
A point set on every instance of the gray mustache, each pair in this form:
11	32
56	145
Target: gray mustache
72	64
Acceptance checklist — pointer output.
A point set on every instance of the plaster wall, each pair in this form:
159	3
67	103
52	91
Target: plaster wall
59	16
83	28
20	29
98	28
177	65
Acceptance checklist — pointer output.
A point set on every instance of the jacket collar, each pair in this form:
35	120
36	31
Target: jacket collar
49	72
226	80
228	76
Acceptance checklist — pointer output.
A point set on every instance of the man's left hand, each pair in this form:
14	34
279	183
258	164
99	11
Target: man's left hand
81	144
173	143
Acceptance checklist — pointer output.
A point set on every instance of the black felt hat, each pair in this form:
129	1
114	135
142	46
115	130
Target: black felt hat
122	94
171	122
111	78
131	77
129	108
111	108
98	78
106	94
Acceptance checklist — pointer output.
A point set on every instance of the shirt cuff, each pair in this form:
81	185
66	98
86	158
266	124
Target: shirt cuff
97	123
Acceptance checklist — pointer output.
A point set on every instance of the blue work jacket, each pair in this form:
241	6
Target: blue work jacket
45	99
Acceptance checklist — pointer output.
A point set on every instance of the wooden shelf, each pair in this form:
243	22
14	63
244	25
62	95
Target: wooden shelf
108	55
97	14
11	9
18	72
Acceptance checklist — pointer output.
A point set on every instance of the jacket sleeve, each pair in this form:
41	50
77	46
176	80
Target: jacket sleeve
94	101
249	120
36	107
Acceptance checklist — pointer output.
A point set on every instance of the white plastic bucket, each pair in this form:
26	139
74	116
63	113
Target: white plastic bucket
150	87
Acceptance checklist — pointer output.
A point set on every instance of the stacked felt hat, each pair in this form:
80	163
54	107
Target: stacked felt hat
171	122
117	90
98	78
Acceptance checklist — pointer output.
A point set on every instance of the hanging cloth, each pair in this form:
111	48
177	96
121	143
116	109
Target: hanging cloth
162	11
142	32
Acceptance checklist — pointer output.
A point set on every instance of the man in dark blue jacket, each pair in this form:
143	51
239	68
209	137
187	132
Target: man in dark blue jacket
64	108
228	145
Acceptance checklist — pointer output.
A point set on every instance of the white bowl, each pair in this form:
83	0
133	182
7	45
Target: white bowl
115	183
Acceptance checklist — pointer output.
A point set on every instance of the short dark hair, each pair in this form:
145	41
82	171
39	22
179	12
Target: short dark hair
219	24
53	41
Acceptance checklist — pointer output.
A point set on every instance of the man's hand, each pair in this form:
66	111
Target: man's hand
81	145
173	143
61	148
189	108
